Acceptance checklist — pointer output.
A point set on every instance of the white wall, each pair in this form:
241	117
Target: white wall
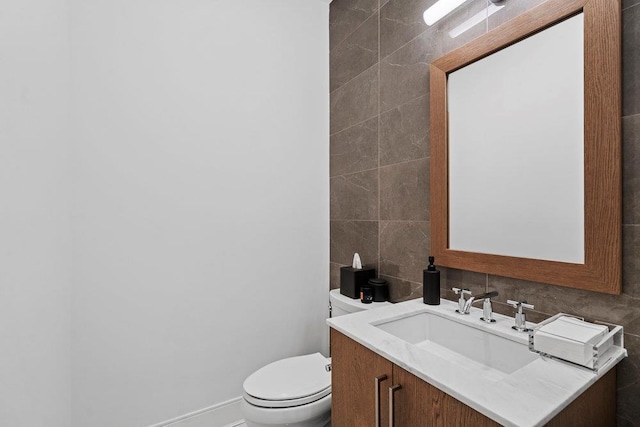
34	214
200	199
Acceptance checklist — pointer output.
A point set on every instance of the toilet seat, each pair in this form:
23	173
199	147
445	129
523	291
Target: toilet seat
290	382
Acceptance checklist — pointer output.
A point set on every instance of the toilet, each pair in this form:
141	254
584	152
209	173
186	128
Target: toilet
296	391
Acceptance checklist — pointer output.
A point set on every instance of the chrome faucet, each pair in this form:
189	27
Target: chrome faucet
464	305
521	319
487	308
462	302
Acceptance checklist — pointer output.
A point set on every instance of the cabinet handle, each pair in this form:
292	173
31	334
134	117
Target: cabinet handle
392	390
378	380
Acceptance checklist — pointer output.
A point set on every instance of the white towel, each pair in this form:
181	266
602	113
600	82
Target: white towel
570	339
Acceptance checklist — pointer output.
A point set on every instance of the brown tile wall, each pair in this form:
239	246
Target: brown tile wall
379	169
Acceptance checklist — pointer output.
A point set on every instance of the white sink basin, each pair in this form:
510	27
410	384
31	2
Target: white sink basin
442	335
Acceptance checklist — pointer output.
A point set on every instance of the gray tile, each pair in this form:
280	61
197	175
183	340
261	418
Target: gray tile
508	310
404	132
622	310
355	101
345	16
401	21
628	384
404	247
404	191
631	260
631	61
348	237
354	149
462	279
630	169
334	275
629	3
510	10
354	196
355	54
402	290
404	75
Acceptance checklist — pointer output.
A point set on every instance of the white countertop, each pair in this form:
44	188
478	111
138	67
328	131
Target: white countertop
530	396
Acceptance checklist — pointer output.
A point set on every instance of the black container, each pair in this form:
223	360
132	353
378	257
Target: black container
380	290
431	284
352	279
366	294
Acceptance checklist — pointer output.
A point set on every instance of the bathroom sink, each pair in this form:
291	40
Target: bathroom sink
450	338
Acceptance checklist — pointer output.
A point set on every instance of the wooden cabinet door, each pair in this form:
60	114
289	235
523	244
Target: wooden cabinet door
418	403
353	373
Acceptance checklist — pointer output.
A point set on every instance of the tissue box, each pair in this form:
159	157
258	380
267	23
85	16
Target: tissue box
570	339
351	279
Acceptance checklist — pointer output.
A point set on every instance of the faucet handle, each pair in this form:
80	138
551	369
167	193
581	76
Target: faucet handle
462	302
519	305
521	320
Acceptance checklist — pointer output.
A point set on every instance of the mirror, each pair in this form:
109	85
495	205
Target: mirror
525	149
511	192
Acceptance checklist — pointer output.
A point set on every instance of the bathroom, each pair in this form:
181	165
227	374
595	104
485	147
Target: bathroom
182	182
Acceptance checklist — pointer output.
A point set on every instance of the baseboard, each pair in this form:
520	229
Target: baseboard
218	415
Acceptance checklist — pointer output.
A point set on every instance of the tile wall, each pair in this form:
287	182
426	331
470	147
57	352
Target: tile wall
379	170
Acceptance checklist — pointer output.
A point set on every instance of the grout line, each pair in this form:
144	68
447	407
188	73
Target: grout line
400	278
379	191
424	95
352	173
428	29
404	162
352	79
629	116
356	29
343	41
385	220
352	126
630	7
401	221
354	220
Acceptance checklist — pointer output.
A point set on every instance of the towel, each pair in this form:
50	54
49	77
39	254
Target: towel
570	339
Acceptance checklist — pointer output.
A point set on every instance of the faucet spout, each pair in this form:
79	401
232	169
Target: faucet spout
487	310
482	297
490	294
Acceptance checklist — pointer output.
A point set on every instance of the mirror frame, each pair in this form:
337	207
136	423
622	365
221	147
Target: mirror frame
602	270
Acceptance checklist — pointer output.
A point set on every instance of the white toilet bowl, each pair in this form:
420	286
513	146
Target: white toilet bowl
296	392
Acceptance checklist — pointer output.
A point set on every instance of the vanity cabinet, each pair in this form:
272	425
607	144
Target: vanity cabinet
361	378
354	370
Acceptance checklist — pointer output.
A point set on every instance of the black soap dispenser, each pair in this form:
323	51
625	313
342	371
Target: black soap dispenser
431	284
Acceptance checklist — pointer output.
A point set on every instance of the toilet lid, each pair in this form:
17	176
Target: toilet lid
290	381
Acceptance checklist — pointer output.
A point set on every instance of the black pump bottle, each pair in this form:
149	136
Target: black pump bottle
431	284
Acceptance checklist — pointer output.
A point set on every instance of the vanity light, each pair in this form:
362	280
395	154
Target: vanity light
475	20
440	9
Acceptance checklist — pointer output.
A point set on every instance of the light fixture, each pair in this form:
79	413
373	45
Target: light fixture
475	20
440	9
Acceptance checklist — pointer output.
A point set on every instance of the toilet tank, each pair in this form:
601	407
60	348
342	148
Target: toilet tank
342	304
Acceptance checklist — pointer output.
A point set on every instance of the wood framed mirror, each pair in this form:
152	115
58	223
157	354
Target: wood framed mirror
461	202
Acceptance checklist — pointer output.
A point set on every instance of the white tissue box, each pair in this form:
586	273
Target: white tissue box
571	339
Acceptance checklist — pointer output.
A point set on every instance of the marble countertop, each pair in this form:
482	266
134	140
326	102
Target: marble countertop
529	396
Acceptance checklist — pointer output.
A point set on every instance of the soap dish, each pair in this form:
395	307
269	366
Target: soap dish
592	353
